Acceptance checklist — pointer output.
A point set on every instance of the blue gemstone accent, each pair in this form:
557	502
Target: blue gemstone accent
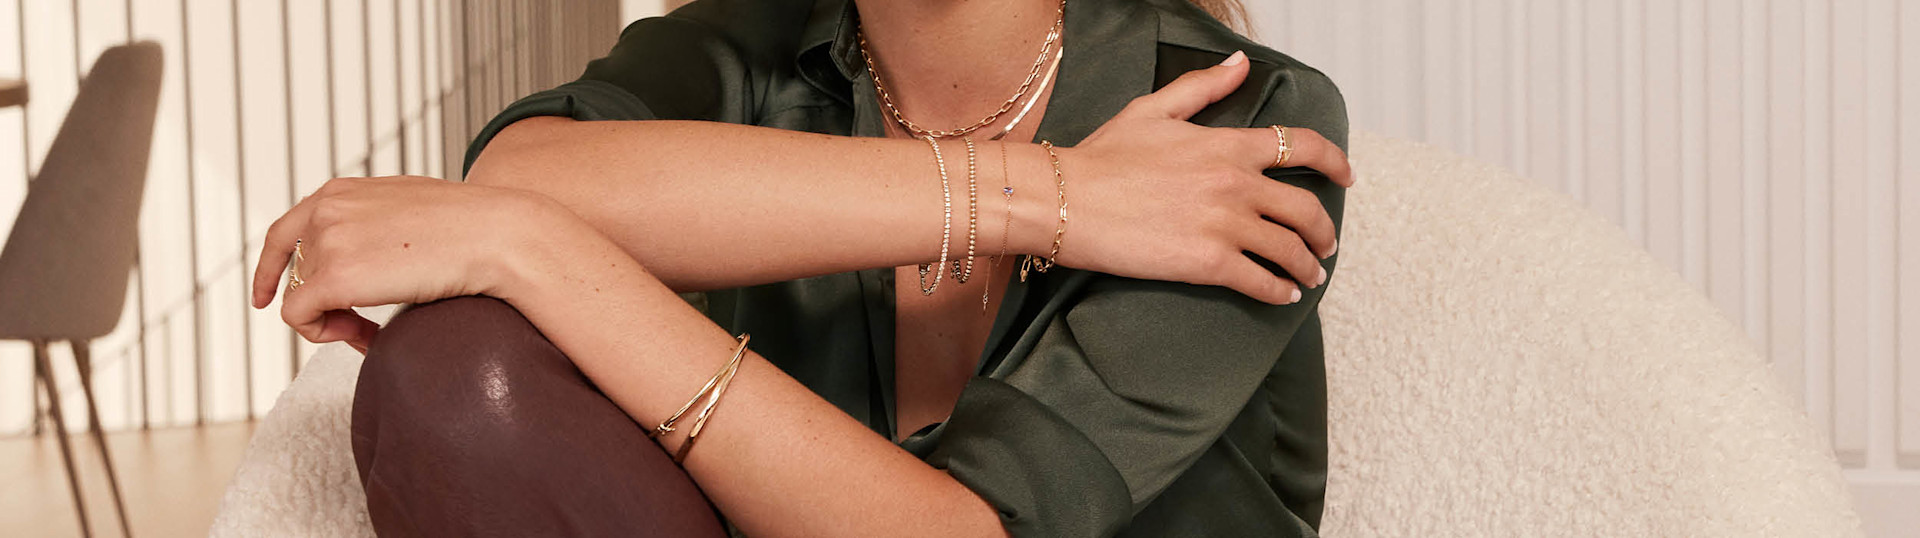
1007	191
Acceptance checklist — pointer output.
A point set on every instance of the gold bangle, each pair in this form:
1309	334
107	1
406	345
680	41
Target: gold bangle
725	378
946	223
666	426
1035	263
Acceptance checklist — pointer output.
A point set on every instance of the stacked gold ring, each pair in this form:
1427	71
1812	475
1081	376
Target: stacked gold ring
1286	150
293	269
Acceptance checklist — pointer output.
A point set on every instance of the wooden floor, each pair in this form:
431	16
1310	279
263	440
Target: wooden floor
172	480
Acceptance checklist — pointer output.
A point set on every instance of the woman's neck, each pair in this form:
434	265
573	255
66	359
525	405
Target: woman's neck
951	62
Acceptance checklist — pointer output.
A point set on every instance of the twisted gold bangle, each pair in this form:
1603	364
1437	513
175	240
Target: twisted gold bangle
666	426
712	391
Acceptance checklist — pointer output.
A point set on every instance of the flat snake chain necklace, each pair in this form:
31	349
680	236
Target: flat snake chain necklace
917	131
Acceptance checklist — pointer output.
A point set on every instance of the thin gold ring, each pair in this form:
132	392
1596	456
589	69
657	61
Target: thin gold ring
1286	150
293	269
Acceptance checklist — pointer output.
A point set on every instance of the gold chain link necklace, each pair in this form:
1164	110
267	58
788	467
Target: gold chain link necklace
914	129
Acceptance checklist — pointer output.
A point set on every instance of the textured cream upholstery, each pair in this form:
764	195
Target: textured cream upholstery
1501	363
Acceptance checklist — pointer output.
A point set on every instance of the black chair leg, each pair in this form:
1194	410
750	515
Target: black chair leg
83	359
43	368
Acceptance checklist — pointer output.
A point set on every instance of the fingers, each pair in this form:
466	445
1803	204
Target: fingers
319	316
347	326
1310	150
276	251
1282	247
1249	278
1196	89
1299	210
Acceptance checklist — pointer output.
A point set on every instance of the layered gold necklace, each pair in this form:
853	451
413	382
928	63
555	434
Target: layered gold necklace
1027	86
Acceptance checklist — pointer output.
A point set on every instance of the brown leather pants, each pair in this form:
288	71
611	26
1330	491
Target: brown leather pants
468	422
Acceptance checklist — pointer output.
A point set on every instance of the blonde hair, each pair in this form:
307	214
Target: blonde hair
1233	13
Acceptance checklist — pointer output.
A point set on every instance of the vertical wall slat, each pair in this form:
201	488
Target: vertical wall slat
1786	251
1722	129
1662	140
1602	133
1693	142
1908	335
266	128
1851	295
1573	95
1754	63
1440	120
1881	167
1545	93
1633	119
1818	212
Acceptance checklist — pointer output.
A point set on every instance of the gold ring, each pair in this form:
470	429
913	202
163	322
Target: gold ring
1286	150
293	269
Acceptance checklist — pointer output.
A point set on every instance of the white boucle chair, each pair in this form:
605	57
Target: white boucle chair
1501	363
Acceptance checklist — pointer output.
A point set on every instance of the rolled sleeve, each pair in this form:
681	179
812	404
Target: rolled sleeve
1132	381
663	68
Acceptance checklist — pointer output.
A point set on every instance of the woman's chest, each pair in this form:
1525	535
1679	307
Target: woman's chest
939	339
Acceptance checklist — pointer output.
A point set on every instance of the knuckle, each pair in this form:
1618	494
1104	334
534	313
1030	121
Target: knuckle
1216	264
328	212
1220	181
278	227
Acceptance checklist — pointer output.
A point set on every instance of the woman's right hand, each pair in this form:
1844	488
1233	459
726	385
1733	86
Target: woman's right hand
1153	196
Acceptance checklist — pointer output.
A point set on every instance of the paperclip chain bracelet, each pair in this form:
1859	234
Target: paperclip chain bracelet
1035	263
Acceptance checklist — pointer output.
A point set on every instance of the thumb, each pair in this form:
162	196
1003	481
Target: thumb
1196	89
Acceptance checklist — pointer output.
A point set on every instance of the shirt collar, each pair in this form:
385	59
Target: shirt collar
1091	87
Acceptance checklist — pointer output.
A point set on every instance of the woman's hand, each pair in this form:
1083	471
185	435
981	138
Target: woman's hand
1155	197
380	241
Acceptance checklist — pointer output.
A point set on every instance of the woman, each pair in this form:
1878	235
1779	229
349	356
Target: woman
777	160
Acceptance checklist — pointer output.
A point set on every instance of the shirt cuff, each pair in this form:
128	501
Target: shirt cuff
584	100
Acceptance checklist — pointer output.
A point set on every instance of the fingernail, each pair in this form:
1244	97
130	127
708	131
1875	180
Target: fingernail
1237	57
1296	296
1320	279
1335	249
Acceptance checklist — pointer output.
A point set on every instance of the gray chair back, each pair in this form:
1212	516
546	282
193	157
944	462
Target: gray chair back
63	274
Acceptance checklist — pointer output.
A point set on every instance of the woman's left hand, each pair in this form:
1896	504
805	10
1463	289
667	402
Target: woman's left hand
403	239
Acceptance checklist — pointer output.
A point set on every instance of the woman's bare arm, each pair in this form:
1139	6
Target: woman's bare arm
709	205
776	459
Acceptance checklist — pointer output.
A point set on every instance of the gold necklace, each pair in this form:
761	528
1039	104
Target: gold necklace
886	97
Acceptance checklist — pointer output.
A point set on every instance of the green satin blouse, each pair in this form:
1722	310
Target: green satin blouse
1103	405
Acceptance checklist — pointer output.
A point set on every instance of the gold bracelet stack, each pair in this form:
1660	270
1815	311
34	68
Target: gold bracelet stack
946	223
1035	263
712	391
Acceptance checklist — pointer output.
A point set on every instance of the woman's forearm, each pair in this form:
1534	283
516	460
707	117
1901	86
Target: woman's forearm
709	205
777	459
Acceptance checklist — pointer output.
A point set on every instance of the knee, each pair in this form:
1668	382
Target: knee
454	349
455	373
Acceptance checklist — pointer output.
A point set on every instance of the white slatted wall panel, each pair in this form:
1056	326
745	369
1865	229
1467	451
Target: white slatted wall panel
1766	150
262	101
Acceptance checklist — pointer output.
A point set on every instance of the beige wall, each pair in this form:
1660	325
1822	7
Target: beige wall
1761	148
